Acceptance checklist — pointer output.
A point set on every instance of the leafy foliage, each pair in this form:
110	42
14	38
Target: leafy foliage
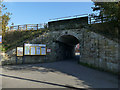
5	17
111	12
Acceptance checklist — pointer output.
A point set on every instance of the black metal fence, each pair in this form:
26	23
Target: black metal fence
93	19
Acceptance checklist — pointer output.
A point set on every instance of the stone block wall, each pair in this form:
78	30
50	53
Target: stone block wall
99	51
95	49
74	23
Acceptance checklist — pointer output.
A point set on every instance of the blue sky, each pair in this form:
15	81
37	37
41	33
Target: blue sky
41	12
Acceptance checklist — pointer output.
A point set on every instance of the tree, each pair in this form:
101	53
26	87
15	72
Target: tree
110	10
4	16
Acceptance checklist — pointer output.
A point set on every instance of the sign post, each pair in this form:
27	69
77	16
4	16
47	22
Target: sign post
19	53
23	60
16	59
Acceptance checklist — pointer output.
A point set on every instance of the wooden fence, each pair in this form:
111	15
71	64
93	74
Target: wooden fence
28	27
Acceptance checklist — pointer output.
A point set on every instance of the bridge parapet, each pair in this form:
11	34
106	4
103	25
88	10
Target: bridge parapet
75	23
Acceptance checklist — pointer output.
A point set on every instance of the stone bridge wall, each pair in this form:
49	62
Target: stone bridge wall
99	51
74	23
95	49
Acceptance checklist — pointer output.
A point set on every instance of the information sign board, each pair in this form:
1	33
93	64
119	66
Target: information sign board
35	49
0	38
19	51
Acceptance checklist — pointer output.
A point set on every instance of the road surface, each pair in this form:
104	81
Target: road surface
61	74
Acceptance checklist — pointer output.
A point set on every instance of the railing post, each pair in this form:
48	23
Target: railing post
102	19
18	28
90	19
37	27
26	27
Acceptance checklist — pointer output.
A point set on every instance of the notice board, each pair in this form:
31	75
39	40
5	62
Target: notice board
34	49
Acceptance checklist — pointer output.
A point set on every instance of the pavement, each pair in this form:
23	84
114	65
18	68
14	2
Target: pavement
60	74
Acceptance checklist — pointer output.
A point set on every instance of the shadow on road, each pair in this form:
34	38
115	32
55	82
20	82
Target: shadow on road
91	77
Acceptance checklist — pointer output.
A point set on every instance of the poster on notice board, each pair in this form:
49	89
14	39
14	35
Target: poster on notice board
37	50
43	50
19	51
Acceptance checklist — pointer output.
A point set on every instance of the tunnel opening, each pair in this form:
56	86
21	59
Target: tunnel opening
67	47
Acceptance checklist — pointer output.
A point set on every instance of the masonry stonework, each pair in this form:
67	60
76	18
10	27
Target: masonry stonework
95	49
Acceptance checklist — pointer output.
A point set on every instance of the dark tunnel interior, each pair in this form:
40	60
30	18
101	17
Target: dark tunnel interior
67	45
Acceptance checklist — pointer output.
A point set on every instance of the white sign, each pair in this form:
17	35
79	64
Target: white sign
48	50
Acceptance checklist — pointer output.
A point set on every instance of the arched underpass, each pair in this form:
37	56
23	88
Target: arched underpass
67	45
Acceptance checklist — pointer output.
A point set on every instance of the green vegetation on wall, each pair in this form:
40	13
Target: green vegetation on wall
111	12
106	30
13	39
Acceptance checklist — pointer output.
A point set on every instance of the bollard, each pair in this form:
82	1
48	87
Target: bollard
16	59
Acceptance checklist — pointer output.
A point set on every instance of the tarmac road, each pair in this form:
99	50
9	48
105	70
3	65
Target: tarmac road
61	74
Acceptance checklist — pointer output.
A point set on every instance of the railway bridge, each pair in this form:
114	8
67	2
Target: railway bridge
95	50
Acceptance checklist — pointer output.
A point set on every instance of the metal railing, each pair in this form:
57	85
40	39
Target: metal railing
96	19
91	20
28	27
